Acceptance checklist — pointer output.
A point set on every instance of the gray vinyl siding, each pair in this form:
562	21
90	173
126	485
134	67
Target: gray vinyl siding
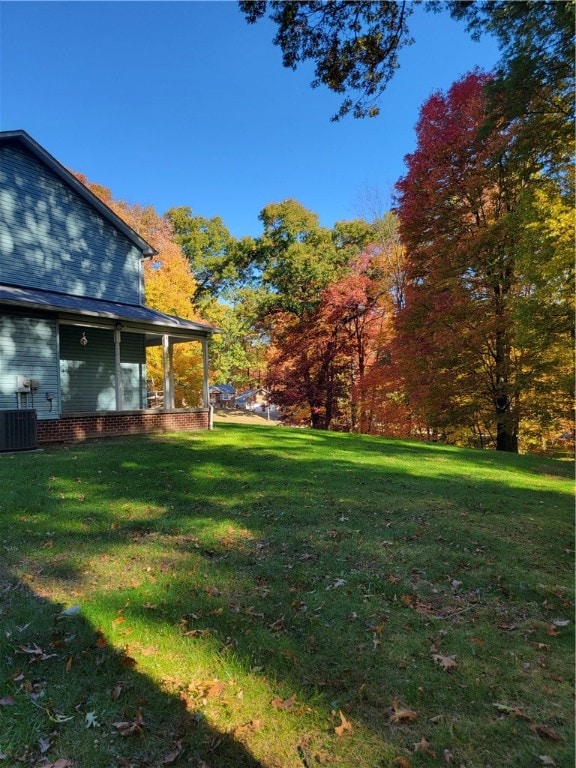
51	238
87	373
29	347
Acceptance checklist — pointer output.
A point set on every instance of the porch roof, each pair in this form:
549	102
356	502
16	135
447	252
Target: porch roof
84	310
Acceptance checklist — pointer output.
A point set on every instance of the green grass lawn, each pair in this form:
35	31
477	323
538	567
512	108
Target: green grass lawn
284	598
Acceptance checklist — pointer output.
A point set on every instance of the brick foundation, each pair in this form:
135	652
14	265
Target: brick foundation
86	426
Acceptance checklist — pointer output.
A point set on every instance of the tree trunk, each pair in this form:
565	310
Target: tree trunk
506	430
506	419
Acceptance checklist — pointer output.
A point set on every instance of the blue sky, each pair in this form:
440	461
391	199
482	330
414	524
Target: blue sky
184	103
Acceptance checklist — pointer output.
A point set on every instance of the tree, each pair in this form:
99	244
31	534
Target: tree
533	86
382	405
319	359
209	248
240	347
355	45
544	314
462	208
320	306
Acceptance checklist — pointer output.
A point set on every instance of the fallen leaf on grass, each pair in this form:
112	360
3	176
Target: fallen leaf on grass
57	717
512	711
61	763
409	599
215	690
128	728
446	662
344	726
278	626
424	746
171	757
117	691
544	732
35	652
278	703
7	701
400	714
545	760
91	721
242	730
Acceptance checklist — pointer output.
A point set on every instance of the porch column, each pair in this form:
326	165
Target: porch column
119	389
205	384
168	373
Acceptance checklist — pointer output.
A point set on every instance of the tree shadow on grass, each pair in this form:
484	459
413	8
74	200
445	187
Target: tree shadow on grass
282	579
68	695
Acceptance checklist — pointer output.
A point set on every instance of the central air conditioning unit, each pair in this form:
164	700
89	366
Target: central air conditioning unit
18	430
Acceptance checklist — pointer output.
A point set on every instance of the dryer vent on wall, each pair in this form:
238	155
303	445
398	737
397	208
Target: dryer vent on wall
18	429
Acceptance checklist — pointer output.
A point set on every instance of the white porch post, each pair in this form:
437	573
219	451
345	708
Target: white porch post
205	383
205	386
168	373
119	390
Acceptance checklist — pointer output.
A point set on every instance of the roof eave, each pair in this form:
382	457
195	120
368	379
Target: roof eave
26	140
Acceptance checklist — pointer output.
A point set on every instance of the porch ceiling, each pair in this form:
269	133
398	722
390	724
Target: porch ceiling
81	310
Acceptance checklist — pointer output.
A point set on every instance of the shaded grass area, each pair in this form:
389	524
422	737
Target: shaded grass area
272	597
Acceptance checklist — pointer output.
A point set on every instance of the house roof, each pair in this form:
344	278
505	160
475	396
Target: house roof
72	308
225	388
26	141
245	395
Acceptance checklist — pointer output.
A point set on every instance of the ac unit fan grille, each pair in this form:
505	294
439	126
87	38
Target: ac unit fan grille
18	429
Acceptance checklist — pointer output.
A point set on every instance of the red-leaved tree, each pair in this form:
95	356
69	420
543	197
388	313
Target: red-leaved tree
456	207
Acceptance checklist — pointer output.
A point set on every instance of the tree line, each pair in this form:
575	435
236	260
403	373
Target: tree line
450	317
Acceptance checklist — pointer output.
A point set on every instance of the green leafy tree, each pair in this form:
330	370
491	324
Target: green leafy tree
355	45
209	248
297	257
241	347
544	315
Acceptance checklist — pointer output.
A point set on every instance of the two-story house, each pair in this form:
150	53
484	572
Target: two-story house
74	328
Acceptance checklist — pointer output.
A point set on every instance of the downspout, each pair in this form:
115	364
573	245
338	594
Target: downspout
119	390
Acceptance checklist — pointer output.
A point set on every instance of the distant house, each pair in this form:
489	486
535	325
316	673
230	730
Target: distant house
74	328
222	395
253	399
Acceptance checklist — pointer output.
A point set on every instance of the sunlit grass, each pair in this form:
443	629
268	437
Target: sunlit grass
243	591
